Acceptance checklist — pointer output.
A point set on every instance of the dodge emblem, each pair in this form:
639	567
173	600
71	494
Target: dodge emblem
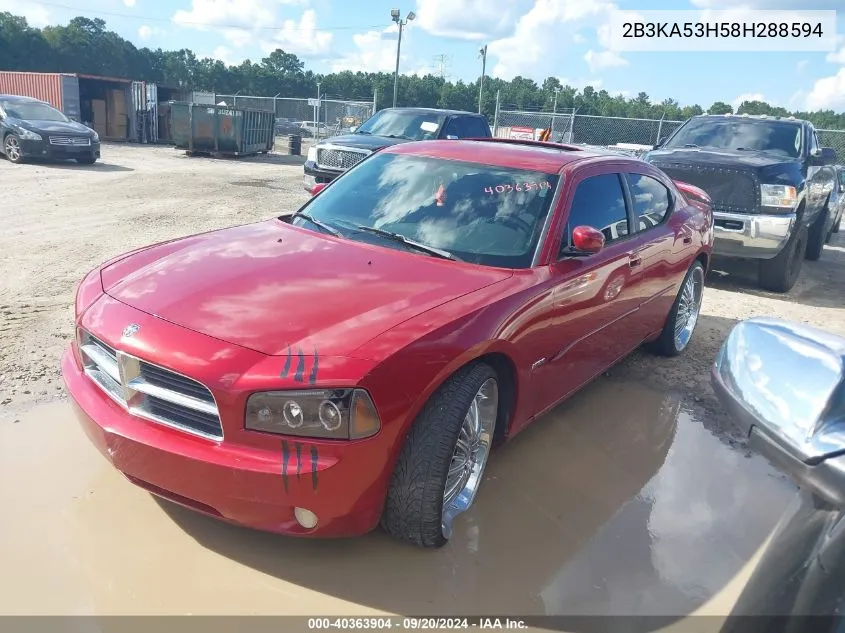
131	329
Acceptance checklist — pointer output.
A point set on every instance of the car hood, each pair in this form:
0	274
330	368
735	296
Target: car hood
271	286
364	141
53	127
718	158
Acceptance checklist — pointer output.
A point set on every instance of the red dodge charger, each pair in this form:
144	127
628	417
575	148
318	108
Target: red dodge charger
352	364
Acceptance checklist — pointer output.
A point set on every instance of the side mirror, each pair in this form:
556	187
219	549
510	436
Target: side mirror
317	188
783	385
825	156
587	240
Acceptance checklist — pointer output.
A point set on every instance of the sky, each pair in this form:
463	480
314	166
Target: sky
533	38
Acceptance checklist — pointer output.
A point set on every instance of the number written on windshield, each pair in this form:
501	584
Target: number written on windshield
526	186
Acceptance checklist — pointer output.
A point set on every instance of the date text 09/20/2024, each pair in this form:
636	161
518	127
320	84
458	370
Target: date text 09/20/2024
414	624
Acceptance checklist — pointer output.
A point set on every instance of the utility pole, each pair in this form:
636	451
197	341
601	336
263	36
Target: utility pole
554	107
442	62
483	54
396	16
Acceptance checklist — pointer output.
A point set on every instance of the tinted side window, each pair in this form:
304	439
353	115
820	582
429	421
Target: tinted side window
466	127
814	142
650	198
600	203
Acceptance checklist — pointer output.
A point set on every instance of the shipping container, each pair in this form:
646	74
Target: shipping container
102	103
221	131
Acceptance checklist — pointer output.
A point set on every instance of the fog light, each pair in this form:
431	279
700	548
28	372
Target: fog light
306	518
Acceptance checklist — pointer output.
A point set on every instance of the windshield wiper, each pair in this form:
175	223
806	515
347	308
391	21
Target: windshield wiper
328	229
362	132
396	237
407	138
690	145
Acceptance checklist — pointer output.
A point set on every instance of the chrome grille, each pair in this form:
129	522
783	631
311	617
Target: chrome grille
731	190
337	158
150	391
77	141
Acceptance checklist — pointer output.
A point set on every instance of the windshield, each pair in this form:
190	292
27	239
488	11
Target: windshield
482	214
32	111
414	126
767	136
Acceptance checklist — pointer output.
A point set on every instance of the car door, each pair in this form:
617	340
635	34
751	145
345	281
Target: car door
464	127
666	245
587	324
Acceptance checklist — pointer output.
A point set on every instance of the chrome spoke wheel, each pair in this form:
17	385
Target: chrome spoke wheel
472	449
689	307
12	149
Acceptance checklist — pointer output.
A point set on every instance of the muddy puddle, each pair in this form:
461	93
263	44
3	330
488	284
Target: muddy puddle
618	502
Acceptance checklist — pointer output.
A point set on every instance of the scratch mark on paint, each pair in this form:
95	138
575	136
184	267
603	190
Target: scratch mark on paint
314	467
300	368
285	457
286	368
298	459
313	377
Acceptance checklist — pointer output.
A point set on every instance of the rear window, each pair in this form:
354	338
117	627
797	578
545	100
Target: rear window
478	213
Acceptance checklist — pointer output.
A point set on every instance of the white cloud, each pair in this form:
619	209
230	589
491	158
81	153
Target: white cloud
604	59
129	3
828	93
769	5
747	96
238	37
802	65
580	84
837	57
375	51
226	55
466	19
535	47
145	32
36	15
244	13
301	38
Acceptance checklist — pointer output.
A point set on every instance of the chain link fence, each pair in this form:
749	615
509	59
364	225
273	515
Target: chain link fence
834	139
529	125
309	118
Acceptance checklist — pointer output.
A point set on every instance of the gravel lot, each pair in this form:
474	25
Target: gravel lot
60	220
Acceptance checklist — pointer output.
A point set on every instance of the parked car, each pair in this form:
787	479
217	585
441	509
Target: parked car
783	384
30	128
330	158
770	182
353	363
287	127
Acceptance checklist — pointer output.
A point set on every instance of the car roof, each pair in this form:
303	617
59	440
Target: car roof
437	110
752	117
20	98
550	158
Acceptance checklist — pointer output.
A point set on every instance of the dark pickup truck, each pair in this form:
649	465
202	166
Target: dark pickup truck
771	183
330	158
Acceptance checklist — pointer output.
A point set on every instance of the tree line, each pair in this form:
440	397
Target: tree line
86	46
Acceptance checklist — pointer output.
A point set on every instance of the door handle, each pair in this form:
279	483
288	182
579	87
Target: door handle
634	261
688	240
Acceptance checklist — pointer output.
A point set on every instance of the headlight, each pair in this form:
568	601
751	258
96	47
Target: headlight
27	135
312	155
780	196
340	414
96	137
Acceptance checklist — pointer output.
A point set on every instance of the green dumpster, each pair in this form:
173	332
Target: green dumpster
221	130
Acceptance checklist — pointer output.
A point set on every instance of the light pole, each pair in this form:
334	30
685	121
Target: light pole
483	53
396	16
554	108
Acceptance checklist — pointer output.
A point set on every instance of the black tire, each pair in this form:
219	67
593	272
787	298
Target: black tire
413	509
780	273
11	149
88	160
666	345
816	237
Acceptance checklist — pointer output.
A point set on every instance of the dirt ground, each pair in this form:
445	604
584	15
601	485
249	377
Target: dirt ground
60	220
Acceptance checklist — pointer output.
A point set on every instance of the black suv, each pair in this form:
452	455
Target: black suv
330	158
771	183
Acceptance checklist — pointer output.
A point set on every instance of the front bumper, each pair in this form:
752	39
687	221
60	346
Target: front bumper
751	236
314	175
250	485
43	149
